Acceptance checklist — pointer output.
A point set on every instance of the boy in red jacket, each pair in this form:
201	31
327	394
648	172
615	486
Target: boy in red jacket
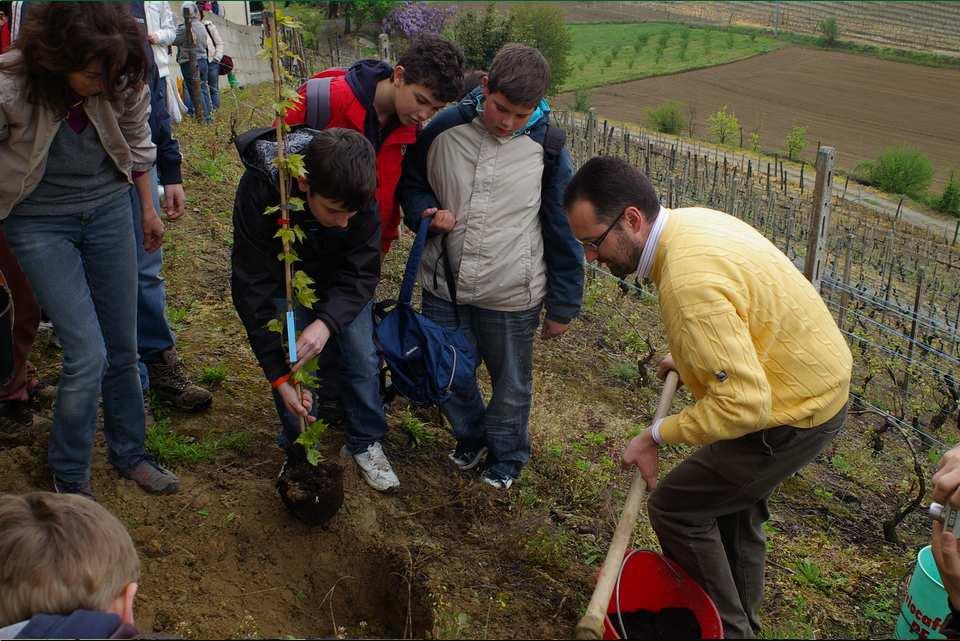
387	105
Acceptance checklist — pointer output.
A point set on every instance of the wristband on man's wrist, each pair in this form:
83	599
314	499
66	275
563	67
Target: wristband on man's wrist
655	432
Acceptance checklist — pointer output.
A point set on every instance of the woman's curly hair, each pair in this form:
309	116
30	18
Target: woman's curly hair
58	38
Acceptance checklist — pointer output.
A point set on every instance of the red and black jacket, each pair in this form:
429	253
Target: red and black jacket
350	106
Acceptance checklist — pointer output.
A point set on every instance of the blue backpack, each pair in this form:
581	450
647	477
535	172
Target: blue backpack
427	362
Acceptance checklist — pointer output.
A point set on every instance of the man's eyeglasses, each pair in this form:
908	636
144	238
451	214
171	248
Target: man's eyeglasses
595	244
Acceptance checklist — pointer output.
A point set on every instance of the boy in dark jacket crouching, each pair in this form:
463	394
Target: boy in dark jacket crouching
341	253
68	569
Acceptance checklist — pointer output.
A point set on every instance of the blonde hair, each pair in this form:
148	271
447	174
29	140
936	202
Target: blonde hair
60	553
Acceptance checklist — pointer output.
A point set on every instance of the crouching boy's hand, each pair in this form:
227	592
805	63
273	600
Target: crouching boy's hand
297	406
311	342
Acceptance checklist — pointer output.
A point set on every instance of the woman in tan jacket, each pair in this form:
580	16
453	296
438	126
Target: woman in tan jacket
73	137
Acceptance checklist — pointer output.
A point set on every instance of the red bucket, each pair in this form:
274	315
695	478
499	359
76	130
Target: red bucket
650	581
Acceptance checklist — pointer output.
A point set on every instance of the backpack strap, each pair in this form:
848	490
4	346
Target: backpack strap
413	263
553	141
318	103
448	274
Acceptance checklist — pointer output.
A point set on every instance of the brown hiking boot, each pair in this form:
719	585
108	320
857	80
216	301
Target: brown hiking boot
168	379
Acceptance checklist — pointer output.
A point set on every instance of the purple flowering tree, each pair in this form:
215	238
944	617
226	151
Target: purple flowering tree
413	18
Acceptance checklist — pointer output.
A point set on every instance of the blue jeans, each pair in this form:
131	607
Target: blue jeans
213	82
188	98
153	332
83	270
504	341
359	382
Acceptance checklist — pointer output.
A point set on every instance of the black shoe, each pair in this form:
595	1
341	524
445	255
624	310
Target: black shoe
498	480
468	455
13	409
81	489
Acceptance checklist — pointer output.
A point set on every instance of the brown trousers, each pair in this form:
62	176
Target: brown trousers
26	320
708	513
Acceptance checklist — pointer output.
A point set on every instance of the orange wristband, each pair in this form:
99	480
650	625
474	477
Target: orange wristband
280	381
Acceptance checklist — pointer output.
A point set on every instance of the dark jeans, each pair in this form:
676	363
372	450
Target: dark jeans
26	320
504	342
709	511
213	83
188	98
153	332
83	269
359	366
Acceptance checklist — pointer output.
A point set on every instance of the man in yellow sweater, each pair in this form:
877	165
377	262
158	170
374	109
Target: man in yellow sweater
758	349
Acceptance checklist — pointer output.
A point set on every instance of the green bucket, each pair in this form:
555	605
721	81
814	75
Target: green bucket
925	606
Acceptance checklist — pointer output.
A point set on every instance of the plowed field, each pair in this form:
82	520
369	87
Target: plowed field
861	105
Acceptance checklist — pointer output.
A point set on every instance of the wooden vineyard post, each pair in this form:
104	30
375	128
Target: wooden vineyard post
913	333
196	98
803	165
789	233
956	231
820	216
845	297
386	52
591	133
956	332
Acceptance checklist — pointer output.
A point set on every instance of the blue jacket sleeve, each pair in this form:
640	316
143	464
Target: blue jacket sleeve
414	191
562	251
168	149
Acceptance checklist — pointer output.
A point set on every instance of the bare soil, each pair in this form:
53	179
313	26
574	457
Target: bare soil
860	105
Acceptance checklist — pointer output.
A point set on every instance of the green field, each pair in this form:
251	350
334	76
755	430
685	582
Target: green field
608	53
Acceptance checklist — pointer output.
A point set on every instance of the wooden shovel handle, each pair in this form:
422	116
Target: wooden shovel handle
591	625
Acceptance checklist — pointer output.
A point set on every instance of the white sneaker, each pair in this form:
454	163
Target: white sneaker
376	469
499	481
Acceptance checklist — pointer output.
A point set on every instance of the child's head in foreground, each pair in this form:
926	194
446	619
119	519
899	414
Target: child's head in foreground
60	553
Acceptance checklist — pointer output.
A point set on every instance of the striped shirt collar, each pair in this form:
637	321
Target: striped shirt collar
650	247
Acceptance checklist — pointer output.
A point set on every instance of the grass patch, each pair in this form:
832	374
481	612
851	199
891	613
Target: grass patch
177	317
416	430
213	375
606	53
171	448
624	371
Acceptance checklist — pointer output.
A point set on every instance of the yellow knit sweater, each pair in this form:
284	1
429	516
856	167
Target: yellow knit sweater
750	336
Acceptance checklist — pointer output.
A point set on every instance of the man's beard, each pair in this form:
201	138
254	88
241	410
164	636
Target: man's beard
623	269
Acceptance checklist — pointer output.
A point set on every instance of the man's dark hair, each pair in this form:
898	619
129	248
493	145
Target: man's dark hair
611	185
435	63
58	38
342	166
520	73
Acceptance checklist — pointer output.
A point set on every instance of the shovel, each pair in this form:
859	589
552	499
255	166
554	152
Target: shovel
591	625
